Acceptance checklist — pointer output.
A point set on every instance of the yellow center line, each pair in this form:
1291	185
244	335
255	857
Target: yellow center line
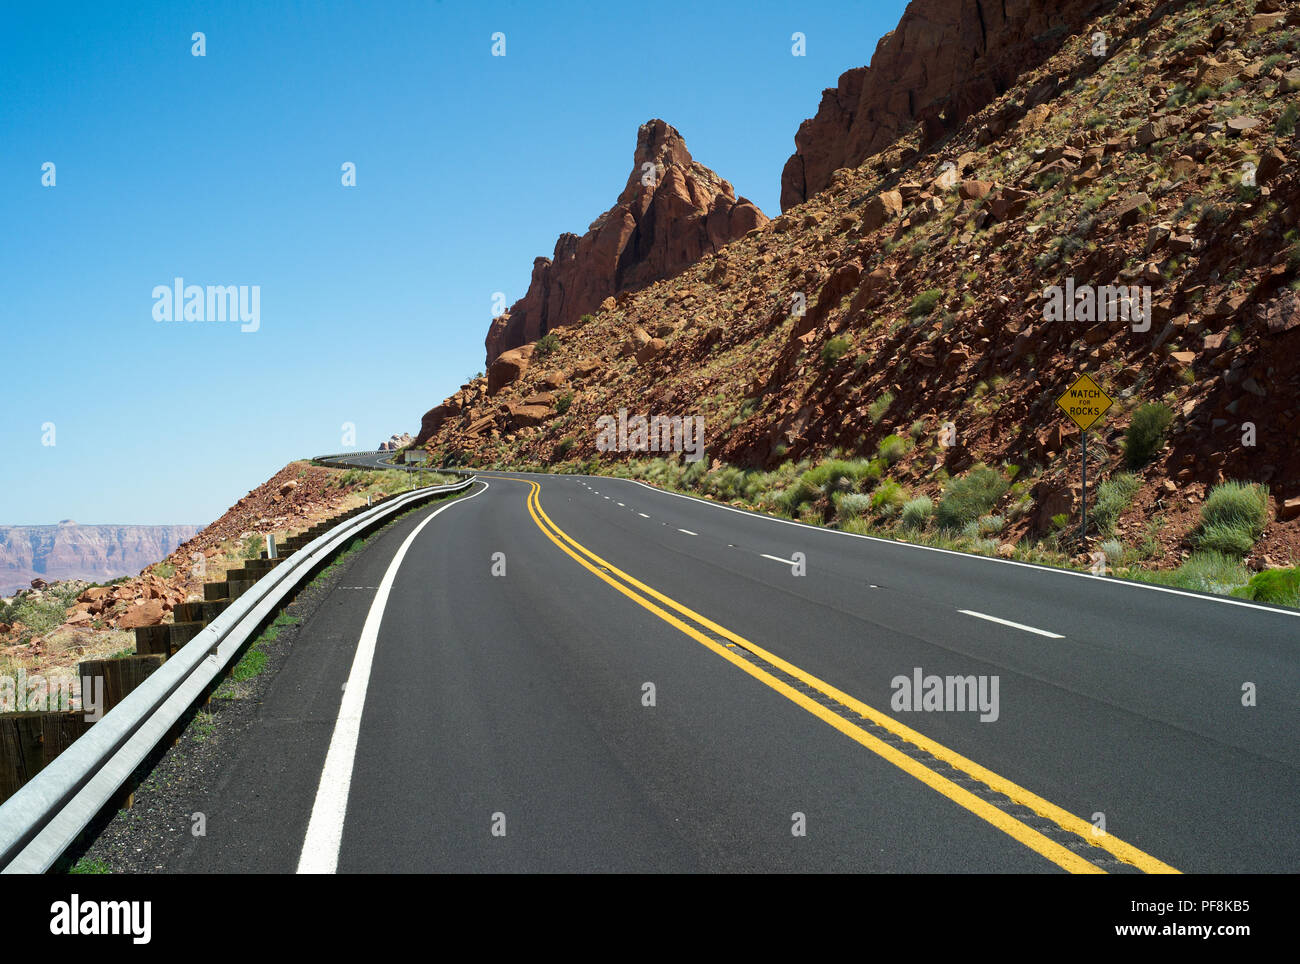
1023	833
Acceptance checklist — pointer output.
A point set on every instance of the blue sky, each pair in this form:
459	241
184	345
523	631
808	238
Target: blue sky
226	170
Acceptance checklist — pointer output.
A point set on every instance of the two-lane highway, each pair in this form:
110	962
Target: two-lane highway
576	673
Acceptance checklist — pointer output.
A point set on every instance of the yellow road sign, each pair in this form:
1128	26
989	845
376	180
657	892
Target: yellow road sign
1084	402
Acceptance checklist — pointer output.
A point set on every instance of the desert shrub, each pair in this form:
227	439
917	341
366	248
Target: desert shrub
1203	572
1227	539
563	402
1279	586
850	505
1146	433
839	475
970	496
564	446
924	303
892	448
692	473
876	410
546	344
1286	122
1237	503
39	615
1113	497
789	500
1233	517
889	498
916	513
834	350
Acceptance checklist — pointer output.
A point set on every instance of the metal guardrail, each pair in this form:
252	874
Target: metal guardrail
46	816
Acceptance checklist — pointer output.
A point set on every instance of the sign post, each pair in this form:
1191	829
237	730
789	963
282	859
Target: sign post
1085	404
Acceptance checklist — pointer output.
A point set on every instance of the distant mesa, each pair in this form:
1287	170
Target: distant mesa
96	553
672	212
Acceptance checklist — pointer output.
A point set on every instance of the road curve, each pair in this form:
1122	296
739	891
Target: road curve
569	673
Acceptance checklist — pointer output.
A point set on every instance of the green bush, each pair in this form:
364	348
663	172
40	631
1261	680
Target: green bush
889	498
834	350
563	402
1203	572
1113	497
876	410
1286	123
1240	504
892	448
564	446
1279	586
1146	433
1233	517
840	475
851	505
970	496
547	344
924	303
917	512
1226	539
40	616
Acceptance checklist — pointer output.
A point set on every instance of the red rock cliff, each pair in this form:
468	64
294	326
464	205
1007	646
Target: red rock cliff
673	211
944	61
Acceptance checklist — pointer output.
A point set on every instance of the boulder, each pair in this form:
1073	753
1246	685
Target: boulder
649	350
508	368
148	613
883	207
525	416
975	190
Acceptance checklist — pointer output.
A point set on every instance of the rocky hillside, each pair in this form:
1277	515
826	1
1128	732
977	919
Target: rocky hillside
72	551
946	60
672	212
910	313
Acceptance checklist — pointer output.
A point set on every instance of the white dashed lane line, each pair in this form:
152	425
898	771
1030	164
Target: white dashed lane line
688	532
1007	622
643	515
788	562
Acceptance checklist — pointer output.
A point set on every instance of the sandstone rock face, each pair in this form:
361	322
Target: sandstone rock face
72	551
672	212
945	61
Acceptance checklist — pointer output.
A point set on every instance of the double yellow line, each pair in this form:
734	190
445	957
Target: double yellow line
687	621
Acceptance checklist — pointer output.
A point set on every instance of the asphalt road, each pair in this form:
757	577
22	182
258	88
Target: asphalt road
614	678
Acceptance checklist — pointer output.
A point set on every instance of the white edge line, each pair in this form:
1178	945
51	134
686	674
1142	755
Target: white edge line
320	846
1007	622
974	557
